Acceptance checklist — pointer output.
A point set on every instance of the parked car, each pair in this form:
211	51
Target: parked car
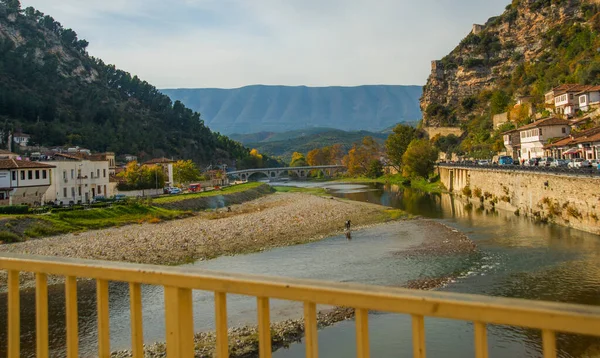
174	191
505	160
483	162
120	197
99	199
559	163
533	162
579	163
193	188
546	162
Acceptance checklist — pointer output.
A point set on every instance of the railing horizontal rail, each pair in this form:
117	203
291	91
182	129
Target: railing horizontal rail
552	316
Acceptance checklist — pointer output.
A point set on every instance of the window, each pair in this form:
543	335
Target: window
72	192
64	174
37	174
72	173
104	173
91	175
30	174
564	130
79	191
105	190
99	189
14	175
540	131
44	174
97	173
64	192
571	96
22	175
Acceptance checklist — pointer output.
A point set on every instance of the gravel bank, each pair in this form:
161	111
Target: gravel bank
275	220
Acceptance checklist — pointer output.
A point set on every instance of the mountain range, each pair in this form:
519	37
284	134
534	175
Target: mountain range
261	108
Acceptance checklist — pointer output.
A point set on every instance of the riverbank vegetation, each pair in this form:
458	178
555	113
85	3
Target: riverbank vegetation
429	185
224	191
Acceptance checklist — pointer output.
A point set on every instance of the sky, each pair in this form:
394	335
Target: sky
234	43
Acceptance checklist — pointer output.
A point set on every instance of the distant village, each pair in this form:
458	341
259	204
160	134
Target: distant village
68	176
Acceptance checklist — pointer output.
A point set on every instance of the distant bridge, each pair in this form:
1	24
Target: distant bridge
275	173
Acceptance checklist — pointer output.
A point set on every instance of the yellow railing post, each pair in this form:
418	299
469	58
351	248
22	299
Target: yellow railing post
481	344
418	336
41	315
179	320
361	319
103	319
71	316
264	327
14	315
549	343
310	330
222	349
135	311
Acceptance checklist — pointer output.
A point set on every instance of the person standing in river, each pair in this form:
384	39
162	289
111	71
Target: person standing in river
348	225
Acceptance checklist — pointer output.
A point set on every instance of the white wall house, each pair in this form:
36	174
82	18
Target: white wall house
590	98
77	180
24	182
535	135
21	139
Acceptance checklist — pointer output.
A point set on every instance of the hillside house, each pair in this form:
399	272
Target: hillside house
566	99
512	143
21	139
24	182
589	98
78	180
585	144
535	135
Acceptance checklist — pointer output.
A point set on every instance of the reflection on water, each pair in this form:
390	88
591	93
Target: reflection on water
517	259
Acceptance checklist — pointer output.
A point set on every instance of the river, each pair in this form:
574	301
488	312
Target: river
516	258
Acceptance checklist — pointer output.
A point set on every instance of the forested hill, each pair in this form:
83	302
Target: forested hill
52	89
259	108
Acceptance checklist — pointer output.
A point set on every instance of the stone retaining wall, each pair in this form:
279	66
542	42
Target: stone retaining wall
567	200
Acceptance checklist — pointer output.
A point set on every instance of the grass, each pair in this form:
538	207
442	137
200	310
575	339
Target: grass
81	220
421	184
293	189
227	190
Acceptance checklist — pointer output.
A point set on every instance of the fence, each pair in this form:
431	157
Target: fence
587	172
179	282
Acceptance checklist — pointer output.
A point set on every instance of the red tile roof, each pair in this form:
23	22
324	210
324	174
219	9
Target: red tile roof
589	89
589	135
17	164
546	122
569	88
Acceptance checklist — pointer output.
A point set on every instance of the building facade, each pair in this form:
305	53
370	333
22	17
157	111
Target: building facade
535	136
512	143
589	98
167	166
76	180
585	144
24	182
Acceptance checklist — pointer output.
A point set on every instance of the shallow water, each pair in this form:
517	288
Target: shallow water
517	259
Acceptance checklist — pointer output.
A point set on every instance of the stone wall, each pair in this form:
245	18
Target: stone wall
566	200
443	131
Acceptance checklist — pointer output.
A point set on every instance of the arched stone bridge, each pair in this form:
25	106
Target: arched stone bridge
275	173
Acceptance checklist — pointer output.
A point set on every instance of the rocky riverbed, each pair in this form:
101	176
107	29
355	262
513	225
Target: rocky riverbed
274	220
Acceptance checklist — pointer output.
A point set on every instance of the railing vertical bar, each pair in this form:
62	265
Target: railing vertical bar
221	324
481	344
361	320
264	327
137	330
179	322
549	343
103	319
14	315
418	336
71	313
310	330
41	315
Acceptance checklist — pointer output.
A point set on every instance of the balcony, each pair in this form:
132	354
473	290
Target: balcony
178	283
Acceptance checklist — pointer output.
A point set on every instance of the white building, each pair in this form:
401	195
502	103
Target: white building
589	98
535	135
21	139
24	182
77	180
167	165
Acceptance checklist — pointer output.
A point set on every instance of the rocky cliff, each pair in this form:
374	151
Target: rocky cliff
531	47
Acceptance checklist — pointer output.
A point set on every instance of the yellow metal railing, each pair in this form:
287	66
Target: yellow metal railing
178	283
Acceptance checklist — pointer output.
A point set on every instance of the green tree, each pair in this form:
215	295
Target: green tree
499	102
419	159
375	169
397	143
185	171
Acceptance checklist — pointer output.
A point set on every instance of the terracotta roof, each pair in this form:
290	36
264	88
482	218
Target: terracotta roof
17	164
589	135
67	156
159	161
546	122
511	131
569	88
6	152
589	89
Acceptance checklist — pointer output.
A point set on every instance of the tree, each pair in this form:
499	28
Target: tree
375	169
298	160
360	156
185	171
318	156
397	143
132	174
419	159
143	177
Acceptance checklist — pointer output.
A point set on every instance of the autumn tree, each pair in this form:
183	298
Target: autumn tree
359	158
419	159
185	171
138	177
397	143
298	160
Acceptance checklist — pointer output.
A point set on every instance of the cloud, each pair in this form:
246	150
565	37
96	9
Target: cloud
231	43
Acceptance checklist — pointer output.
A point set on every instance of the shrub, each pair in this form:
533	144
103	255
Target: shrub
477	193
467	191
572	211
14	209
8	237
